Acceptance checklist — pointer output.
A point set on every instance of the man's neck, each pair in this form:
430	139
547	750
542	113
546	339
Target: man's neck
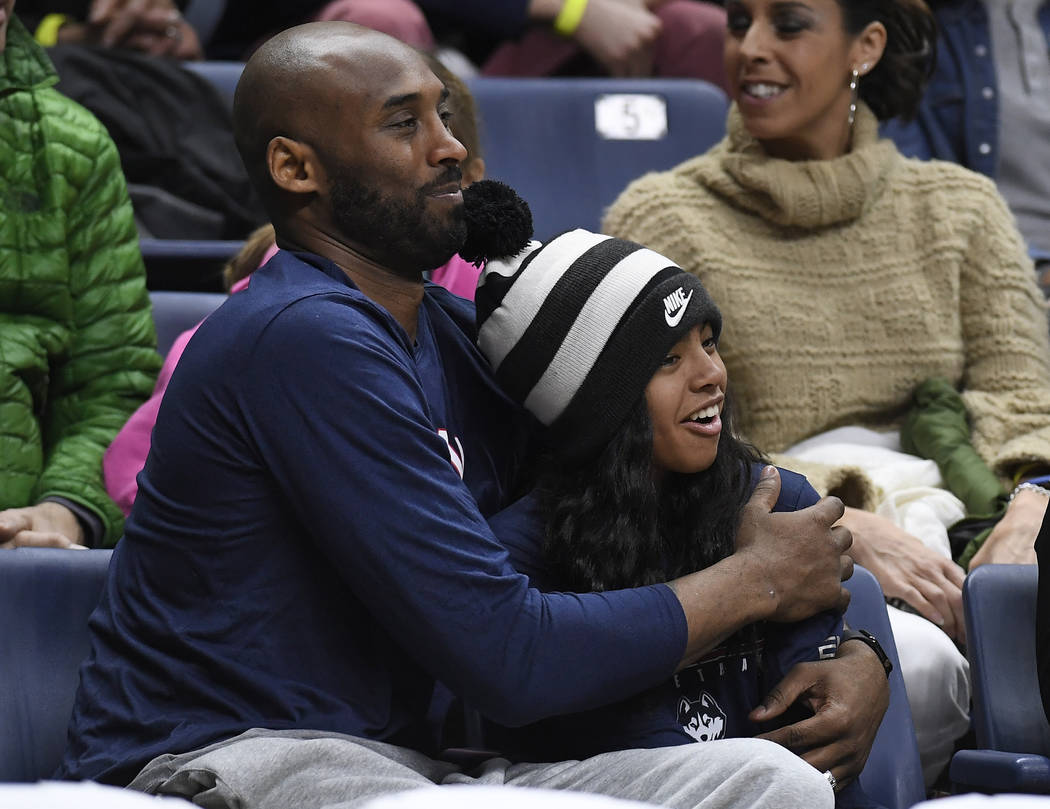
399	295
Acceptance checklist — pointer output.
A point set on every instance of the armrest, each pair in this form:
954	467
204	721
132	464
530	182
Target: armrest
996	771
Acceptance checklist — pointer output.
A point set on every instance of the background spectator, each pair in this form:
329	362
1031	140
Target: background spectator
592	37
157	27
77	347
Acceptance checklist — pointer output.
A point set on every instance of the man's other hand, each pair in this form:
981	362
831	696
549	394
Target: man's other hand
848	697
800	556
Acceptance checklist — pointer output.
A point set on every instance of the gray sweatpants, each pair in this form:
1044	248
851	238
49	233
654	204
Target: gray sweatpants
301	769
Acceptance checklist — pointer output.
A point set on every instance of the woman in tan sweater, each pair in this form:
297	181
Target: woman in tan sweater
850	275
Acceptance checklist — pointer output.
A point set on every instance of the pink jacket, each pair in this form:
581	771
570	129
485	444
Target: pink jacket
126	456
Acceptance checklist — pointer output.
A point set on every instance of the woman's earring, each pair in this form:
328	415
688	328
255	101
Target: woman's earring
853	79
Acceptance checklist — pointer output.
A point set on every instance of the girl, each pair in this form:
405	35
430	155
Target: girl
615	350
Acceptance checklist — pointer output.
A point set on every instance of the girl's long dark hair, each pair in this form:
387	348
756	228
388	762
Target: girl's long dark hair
610	526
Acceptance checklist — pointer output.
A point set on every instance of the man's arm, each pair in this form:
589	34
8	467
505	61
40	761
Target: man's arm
346	430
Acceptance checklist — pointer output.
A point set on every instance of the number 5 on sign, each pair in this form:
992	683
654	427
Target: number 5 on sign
630	116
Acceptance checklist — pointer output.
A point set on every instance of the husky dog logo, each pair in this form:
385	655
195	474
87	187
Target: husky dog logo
675	305
704	720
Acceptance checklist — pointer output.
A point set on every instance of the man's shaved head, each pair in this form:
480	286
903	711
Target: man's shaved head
345	134
287	87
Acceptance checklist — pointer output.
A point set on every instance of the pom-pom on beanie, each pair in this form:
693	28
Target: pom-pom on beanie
574	330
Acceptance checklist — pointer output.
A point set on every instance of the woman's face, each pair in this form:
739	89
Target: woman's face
789	65
685	398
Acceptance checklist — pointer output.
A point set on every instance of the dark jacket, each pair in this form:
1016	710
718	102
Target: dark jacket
958	119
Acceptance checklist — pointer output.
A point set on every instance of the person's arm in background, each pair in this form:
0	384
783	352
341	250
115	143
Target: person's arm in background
155	27
112	362
619	34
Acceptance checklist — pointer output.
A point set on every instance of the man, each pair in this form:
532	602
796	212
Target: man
77	348
308	553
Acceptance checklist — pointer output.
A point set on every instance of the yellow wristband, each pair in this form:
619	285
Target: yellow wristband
568	19
47	32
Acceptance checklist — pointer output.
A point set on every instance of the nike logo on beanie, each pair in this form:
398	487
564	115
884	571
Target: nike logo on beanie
675	305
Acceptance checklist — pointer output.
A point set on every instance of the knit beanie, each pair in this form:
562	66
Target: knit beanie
574	330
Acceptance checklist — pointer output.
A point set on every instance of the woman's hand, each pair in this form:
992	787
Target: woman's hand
908	570
1012	541
848	697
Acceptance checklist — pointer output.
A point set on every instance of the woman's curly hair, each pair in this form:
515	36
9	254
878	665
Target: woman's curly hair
609	526
894	87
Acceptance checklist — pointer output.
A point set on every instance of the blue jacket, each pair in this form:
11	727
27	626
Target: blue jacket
958	119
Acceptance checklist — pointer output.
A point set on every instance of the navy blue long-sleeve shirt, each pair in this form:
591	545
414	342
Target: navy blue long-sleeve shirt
304	553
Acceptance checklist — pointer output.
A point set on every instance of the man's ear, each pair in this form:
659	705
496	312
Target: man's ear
293	166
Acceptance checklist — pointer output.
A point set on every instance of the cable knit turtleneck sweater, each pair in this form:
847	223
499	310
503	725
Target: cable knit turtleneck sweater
845	283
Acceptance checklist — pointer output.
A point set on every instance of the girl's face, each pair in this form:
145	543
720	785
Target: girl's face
789	64
685	398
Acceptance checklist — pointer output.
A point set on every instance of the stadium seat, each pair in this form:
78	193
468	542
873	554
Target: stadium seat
893	775
1013	736
195	264
570	146
175	312
224	75
46	596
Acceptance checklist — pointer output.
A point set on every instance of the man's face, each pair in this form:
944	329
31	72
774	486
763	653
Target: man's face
393	170
7	8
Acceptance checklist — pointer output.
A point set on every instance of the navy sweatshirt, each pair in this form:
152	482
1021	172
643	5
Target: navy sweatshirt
309	546
705	701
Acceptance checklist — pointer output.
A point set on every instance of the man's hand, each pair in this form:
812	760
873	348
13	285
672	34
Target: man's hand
45	525
848	697
907	569
1012	541
786	567
800	557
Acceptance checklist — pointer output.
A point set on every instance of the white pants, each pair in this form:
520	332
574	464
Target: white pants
937	679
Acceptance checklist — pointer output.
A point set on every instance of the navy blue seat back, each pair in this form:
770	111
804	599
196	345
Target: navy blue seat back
46	596
224	75
893	774
175	312
541	137
999	604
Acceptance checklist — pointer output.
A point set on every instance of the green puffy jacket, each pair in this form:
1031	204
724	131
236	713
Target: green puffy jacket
77	345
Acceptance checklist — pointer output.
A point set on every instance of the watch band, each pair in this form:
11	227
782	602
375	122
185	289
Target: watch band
872	643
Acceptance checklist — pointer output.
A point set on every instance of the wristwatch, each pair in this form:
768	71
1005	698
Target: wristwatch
872	643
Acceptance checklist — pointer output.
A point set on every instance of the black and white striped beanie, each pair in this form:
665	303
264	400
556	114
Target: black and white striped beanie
575	329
